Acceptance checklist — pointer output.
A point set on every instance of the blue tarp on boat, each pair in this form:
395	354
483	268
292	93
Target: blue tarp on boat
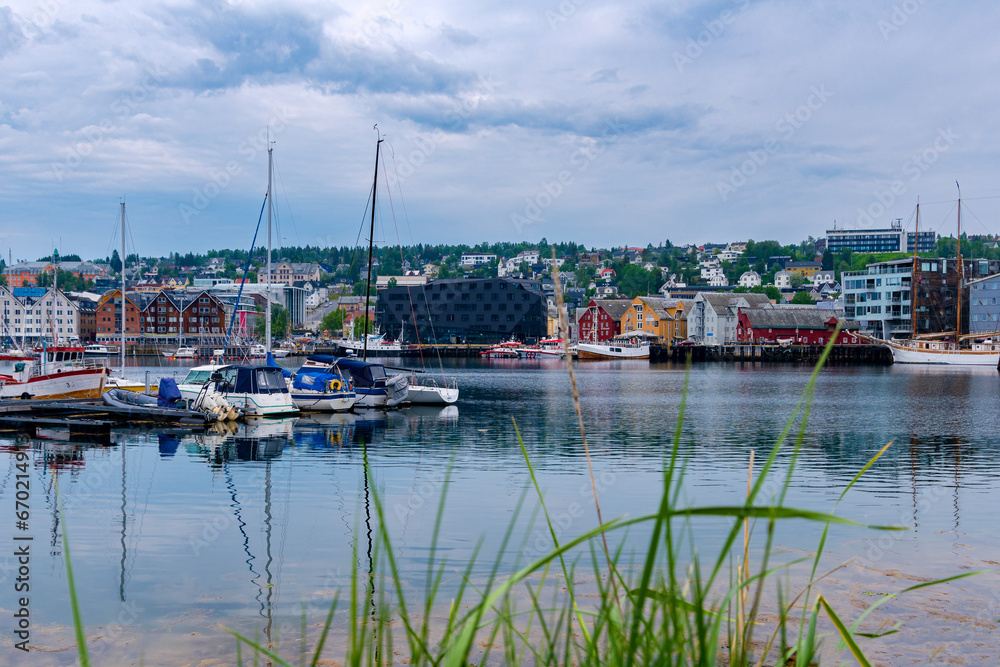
168	394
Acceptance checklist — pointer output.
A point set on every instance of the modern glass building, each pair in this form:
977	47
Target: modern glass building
894	239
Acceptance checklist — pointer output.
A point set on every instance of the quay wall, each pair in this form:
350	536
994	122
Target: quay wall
872	355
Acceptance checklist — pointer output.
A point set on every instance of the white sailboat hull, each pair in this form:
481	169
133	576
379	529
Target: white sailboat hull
421	395
905	355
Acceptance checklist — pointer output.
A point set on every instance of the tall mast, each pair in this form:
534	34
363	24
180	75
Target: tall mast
371	241
961	268
267	316
123	289
913	277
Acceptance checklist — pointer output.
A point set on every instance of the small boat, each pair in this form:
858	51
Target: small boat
163	407
431	394
257	351
53	372
321	390
279	352
182	352
510	349
96	350
626	346
547	347
122	382
374	388
258	391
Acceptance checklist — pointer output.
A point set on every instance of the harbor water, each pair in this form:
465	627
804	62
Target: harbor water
176	535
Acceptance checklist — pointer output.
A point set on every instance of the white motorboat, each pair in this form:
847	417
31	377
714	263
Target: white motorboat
546	348
627	346
279	353
95	350
508	350
258	391
182	352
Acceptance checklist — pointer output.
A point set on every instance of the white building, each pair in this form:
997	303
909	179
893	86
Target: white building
824	278
750	279
51	315
474	259
714	315
718	280
709	272
783	279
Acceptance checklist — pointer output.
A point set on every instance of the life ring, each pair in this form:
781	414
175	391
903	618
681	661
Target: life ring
334	385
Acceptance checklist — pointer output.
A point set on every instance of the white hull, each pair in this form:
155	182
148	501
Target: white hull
420	395
324	402
70	383
542	353
279	354
905	355
611	351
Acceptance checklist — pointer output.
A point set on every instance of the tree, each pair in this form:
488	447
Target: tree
803	298
116	262
392	282
828	260
797	280
333	321
359	327
279	322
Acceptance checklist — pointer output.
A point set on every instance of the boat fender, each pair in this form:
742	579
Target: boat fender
334	385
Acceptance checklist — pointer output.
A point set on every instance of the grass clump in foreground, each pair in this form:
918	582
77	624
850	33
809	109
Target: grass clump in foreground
667	609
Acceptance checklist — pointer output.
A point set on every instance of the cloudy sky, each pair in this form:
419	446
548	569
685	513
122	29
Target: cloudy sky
604	123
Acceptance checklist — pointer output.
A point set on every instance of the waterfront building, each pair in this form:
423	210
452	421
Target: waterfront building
476	310
879	297
33	314
893	239
984	309
653	315
713	316
799	326
108	316
601	320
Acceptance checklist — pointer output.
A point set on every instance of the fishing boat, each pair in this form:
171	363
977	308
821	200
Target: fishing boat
632	345
373	386
53	372
946	347
258	391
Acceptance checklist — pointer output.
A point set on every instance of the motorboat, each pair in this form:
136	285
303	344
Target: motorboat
182	352
279	352
60	371
258	391
374	388
97	350
321	390
257	351
627	346
510	349
546	348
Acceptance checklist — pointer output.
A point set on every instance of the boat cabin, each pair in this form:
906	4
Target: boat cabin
251	380
360	373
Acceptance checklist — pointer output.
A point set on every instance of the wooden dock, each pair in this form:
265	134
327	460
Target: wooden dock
871	355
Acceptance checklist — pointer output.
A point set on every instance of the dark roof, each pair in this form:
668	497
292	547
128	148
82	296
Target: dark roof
614	307
792	318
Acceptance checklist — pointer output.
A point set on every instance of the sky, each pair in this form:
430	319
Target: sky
604	123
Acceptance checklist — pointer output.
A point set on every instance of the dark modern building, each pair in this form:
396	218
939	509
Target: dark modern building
476	310
894	239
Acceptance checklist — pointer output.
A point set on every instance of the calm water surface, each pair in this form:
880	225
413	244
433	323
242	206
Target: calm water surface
176	534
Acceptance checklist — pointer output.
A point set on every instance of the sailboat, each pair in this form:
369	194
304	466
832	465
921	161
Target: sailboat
944	347
120	381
